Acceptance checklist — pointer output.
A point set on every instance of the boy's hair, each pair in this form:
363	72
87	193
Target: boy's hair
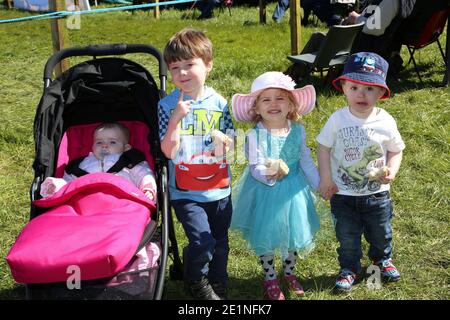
114	125
187	44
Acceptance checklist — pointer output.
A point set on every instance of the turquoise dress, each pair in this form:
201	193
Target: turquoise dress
279	217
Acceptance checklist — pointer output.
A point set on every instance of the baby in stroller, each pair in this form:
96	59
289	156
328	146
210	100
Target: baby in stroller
111	153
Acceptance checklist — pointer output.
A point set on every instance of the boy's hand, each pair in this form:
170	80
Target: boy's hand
388	178
182	108
327	189
384	175
222	142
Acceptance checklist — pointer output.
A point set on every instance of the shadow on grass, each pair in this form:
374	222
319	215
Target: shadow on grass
238	289
252	289
16	293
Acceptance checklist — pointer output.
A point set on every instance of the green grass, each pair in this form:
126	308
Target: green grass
243	50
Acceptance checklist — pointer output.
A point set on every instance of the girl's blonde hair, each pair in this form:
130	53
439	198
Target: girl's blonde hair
292	115
188	44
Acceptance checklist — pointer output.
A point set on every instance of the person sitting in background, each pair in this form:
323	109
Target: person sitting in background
388	23
206	8
323	9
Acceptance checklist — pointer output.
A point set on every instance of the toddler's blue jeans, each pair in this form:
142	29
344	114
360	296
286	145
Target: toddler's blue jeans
206	226
356	215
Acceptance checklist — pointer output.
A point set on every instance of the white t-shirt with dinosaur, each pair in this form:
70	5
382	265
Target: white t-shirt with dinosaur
357	146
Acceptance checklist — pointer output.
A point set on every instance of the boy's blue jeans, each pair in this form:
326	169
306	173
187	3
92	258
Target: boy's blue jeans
356	215
206	225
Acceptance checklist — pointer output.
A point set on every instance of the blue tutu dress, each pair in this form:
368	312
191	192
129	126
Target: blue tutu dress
279	217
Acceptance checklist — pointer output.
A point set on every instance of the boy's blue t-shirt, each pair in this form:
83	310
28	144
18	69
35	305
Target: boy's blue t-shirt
188	180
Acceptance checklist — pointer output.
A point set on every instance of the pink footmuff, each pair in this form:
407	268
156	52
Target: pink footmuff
95	223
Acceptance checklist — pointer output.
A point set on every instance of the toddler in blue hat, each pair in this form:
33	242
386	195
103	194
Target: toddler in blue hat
359	154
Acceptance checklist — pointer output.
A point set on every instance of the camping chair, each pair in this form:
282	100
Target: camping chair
225	3
334	50
430	34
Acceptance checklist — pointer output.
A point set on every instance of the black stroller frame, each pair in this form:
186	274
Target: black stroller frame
54	116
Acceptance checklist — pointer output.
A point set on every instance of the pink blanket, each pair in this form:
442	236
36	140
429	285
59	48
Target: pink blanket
95	225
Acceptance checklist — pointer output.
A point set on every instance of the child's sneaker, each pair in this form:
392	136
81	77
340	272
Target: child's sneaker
388	270
294	285
220	289
201	290
346	279
272	290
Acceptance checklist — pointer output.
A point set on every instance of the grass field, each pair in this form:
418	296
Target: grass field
243	50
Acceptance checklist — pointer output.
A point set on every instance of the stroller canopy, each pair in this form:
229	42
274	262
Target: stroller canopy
100	90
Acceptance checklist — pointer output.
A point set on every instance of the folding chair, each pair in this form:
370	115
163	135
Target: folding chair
430	34
334	50
225	3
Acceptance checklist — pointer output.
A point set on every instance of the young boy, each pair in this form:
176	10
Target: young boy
111	153
199	176
359	154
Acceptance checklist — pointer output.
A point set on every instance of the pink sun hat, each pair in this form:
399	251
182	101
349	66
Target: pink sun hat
241	104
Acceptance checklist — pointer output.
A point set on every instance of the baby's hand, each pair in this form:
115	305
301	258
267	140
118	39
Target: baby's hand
149	190
149	195
182	108
51	185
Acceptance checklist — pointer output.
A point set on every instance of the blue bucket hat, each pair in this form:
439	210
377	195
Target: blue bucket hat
366	68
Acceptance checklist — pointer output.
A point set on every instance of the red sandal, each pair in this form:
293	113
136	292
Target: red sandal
272	290
294	285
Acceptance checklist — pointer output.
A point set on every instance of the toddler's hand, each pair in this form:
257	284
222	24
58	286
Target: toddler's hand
182	108
283	169
388	177
327	189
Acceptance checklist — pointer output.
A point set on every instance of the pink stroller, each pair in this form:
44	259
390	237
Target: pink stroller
98	237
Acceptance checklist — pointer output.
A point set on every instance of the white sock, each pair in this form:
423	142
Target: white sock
289	263
268	264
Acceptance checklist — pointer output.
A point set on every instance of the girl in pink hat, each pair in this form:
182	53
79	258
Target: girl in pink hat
273	204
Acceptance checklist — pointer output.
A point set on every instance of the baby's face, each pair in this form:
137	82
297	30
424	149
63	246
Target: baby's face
109	141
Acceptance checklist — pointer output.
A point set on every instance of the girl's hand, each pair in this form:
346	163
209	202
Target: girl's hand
283	169
327	189
182	108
